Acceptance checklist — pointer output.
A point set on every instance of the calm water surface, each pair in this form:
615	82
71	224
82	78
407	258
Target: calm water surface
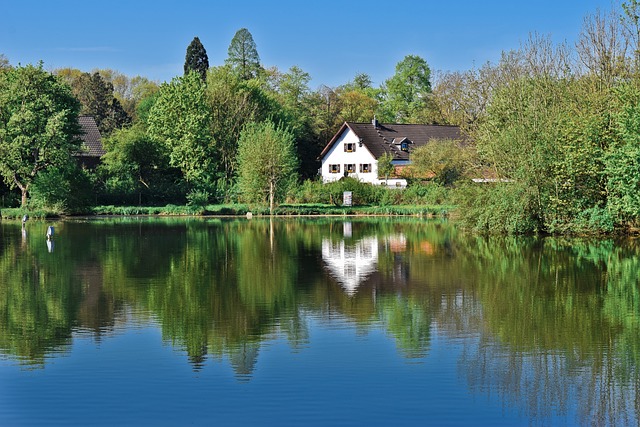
171	322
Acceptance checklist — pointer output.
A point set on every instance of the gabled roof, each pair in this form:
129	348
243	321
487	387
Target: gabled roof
91	138
387	138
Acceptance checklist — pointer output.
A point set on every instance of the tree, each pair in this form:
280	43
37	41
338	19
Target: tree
358	100
602	49
97	98
297	99
385	166
266	160
181	119
622	161
135	162
408	89
293	87
444	160
461	98
4	62
243	55
631	28
234	102
196	59
129	91
38	125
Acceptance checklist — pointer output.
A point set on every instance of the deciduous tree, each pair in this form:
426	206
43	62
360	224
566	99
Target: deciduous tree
181	118
266	162
385	166
233	102
408	89
38	125
444	160
135	162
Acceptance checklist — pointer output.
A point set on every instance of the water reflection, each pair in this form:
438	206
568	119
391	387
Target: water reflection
350	263
546	324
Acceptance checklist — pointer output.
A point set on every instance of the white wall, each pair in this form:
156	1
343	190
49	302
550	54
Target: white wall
361	155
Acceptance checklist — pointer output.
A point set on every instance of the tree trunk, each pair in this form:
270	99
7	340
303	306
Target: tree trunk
271	196
25	191
23	203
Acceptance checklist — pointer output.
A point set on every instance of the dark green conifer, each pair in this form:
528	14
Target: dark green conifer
196	59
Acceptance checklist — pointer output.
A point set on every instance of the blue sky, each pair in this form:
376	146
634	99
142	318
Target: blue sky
332	40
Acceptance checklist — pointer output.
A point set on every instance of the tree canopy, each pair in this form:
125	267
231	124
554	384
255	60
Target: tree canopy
408	89
266	160
38	125
97	99
181	119
243	55
196	59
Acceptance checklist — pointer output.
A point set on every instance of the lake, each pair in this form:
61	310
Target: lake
289	322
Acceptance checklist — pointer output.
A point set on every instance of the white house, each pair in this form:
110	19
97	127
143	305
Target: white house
355	149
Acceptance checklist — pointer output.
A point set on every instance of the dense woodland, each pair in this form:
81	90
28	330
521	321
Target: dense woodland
555	126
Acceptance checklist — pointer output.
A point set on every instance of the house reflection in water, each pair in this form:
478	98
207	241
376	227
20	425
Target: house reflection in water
350	264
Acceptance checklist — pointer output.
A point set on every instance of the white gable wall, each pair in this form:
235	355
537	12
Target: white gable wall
337	156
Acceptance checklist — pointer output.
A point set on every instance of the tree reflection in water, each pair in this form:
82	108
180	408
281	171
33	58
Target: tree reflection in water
547	324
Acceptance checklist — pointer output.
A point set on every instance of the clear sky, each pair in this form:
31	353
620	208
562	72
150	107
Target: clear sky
332	40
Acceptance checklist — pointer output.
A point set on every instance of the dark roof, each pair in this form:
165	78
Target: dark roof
387	138
91	138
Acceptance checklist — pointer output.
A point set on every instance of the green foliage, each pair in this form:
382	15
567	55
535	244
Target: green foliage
594	220
445	161
181	119
267	162
38	125
233	103
358	100
19	213
129	91
136	166
385	166
317	192
66	189
408	89
622	160
198	198
429	194
96	95
196	59
507	208
243	55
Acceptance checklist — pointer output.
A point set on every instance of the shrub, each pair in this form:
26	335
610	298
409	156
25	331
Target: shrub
594	220
63	190
198	198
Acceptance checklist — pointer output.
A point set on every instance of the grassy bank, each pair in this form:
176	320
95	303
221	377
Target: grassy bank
242	209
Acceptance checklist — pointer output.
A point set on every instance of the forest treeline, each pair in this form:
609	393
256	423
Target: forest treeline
554	127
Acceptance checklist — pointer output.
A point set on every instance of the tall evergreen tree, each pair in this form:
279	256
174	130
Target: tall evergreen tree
97	99
196	59
243	55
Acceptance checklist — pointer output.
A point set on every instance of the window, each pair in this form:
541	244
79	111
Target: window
350	168
365	167
349	147
404	146
334	168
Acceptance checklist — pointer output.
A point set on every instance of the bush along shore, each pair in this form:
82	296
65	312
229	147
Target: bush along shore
308	198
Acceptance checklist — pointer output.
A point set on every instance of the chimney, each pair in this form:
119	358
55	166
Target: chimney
374	122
